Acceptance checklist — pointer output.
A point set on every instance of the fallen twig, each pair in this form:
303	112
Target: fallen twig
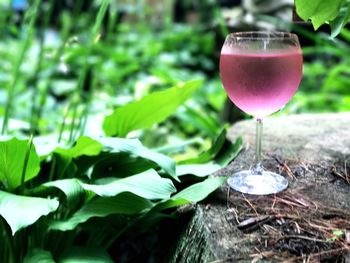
248	223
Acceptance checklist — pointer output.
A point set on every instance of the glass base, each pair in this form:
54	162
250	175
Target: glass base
262	184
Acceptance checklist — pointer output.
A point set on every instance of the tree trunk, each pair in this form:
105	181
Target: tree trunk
313	152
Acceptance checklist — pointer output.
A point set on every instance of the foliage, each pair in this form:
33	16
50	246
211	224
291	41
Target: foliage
84	198
11	168
22	211
328	88
333	12
324	87
71	193
149	110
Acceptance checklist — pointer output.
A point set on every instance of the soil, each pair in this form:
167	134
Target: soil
304	223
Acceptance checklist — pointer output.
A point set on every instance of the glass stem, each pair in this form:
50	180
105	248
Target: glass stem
257	167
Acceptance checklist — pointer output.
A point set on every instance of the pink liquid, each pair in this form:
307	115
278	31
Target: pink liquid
261	83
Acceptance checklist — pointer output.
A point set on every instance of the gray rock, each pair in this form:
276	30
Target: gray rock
306	137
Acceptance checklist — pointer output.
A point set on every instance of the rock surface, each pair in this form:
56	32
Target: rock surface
306	137
313	152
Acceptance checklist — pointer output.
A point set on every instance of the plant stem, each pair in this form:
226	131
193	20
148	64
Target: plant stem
48	13
43	96
35	88
222	24
32	14
113	15
52	168
26	159
54	160
63	124
72	126
85	113
95	33
101	14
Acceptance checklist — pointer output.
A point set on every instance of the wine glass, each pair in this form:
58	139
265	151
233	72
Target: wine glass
260	72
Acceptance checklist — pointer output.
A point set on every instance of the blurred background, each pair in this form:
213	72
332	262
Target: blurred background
57	67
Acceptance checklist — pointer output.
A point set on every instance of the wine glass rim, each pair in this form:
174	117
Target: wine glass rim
271	35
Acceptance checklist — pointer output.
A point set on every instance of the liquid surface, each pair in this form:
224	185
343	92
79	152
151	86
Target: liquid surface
261	83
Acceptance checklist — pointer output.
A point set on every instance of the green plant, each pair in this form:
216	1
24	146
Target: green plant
101	188
336	13
66	197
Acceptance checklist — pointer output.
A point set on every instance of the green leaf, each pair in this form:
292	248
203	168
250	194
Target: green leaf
199	119
341	20
150	110
345	34
22	211
45	145
229	152
210	154
197	192
85	255
319	11
147	185
221	152
70	187
12	154
84	146
179	146
127	164
199	170
65	167
38	256
124	203
192	194
134	147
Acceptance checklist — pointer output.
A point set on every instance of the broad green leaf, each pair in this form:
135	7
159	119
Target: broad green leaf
221	152
147	185
229	152
341	20
12	154
179	146
319	11
38	256
171	203
127	164
197	192
200	119
209	154
150	110
45	145
70	187
84	146
124	203
199	170
85	255
22	211
135	147
65	167
192	194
